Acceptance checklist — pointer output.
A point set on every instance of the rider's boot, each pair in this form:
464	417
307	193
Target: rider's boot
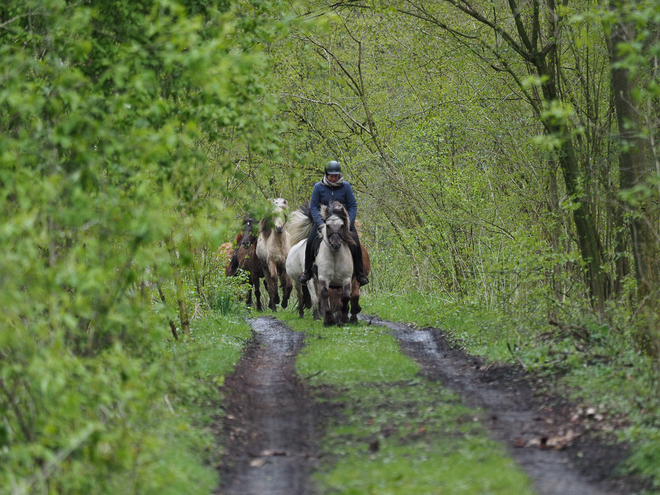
362	278
306	276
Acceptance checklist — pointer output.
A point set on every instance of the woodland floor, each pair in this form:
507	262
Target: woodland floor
273	426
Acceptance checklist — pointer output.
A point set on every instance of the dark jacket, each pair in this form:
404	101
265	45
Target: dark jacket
322	195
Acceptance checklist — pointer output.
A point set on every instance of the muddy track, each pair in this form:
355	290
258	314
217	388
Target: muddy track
269	423
555	452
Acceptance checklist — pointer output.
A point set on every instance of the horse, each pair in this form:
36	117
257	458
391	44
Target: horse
272	250
334	262
245	257
295	263
225	253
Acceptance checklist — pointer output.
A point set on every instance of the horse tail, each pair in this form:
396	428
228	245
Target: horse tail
232	267
300	224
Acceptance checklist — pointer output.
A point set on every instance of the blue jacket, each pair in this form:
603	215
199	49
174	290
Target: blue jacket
322	195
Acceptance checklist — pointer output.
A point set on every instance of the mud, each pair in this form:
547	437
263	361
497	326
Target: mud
556	452
268	431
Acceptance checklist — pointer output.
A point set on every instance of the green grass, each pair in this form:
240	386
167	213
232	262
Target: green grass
427	441
187	450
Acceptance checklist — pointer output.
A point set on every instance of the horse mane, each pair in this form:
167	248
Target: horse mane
265	227
335	208
300	224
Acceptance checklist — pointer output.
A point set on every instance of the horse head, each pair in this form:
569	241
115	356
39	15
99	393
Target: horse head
337	225
280	214
277	219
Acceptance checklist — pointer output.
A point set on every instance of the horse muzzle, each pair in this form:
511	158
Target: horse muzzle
279	230
335	242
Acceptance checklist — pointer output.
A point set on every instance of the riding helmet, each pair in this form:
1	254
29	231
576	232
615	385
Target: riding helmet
332	168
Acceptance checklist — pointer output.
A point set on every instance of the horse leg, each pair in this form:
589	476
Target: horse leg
287	287
249	295
345	298
326	305
301	299
271	284
355	302
254	280
314	299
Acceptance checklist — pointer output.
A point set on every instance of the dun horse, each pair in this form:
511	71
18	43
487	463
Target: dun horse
272	250
245	257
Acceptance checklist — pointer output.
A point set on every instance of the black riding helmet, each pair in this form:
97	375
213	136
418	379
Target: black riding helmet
332	168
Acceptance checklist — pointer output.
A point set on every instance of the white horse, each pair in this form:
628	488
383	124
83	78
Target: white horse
272	250
299	227
307	295
334	261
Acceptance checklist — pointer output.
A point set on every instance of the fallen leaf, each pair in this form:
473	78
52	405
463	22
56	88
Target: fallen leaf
257	462
561	441
271	453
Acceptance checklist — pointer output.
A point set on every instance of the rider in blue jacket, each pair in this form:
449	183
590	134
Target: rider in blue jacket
333	187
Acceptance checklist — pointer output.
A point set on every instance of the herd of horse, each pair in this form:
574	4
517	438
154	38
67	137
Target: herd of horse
274	250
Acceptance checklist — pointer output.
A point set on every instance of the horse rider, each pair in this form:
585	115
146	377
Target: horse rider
333	187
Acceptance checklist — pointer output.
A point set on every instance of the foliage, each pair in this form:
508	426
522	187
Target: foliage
119	124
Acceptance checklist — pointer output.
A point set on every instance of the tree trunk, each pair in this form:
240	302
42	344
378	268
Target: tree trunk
585	224
635	170
180	290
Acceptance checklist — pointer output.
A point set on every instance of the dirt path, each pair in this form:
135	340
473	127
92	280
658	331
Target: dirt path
552	449
269	423
269	428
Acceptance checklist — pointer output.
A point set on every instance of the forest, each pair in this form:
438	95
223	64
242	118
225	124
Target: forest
504	156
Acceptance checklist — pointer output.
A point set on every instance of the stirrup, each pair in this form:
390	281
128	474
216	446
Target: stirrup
305	277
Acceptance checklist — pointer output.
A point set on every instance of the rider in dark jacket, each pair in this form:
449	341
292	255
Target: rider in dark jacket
333	187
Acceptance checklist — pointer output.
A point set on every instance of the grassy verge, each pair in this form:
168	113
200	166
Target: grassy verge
397	433
592	364
203	361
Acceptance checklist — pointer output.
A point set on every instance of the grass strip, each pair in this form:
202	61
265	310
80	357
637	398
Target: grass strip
392	431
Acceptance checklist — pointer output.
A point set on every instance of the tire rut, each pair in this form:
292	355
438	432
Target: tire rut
514	417
270	421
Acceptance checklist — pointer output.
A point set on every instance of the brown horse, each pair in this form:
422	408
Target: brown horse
245	258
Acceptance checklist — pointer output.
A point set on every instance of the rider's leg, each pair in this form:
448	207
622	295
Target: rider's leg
309	256
358	262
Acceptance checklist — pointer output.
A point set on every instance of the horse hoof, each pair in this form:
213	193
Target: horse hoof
354	319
